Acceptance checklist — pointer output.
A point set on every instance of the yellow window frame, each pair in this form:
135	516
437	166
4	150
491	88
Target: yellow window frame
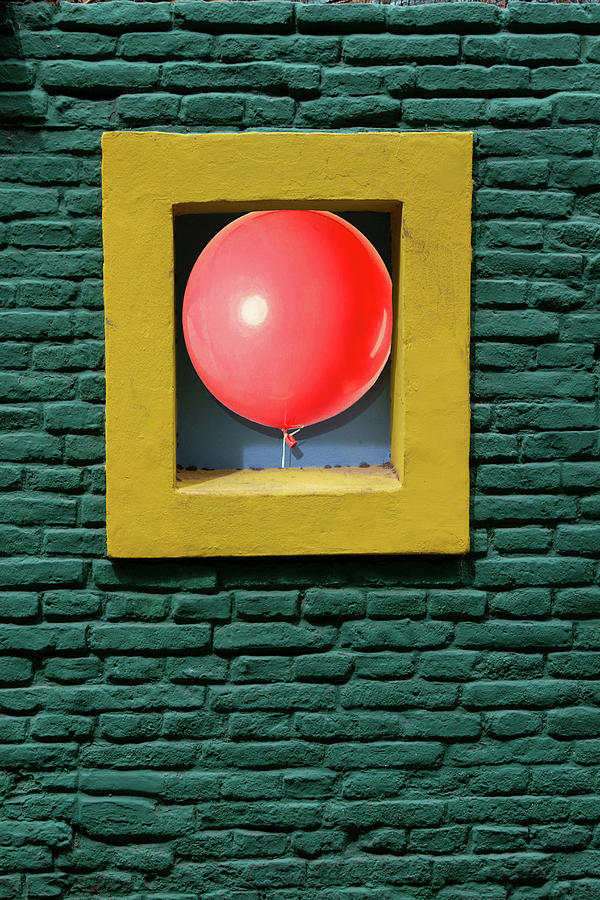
419	506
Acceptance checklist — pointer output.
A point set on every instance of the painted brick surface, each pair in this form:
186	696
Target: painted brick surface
381	728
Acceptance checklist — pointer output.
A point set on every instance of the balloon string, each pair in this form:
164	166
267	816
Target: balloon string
287	434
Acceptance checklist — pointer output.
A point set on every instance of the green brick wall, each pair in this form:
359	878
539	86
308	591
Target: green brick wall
361	728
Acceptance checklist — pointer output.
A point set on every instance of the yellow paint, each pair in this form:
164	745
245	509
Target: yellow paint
424	181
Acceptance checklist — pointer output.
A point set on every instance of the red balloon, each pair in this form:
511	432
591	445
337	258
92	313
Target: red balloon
287	316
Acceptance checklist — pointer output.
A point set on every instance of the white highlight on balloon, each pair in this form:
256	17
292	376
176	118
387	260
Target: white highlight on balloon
253	310
381	334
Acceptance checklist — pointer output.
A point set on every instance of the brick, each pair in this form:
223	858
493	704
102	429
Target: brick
62	263
56	727
522	48
44	233
272	697
343	80
587	636
199	724
559	445
445	604
546	415
83	202
347	111
36	446
490	447
57	44
472	79
398	695
514	635
155	575
83	448
260	669
439	17
518	323
40	292
544	204
101	75
72	671
575	356
396	604
530	385
164	46
113	17
271	605
520	111
15	670
574	664
10	477
192	669
516	173
73	417
245	726
67	357
447	665
577	107
319	603
512	234
268	77
384	665
330	667
396	48
120	638
576	722
17	73
401	634
581	326
462	111
124	607
521	603
148	107
25	571
529	694
42	638
199	607
212	108
316	19
238	48
492	839
539	265
121	726
523	17
132	669
532	571
262	111
520	142
16	606
514	723
244	16
516	540
258	637
509	508
14	355
31	509
583	539
575	173
24	106
70	604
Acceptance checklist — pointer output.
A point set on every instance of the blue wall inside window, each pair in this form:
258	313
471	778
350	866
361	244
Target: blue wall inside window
209	436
